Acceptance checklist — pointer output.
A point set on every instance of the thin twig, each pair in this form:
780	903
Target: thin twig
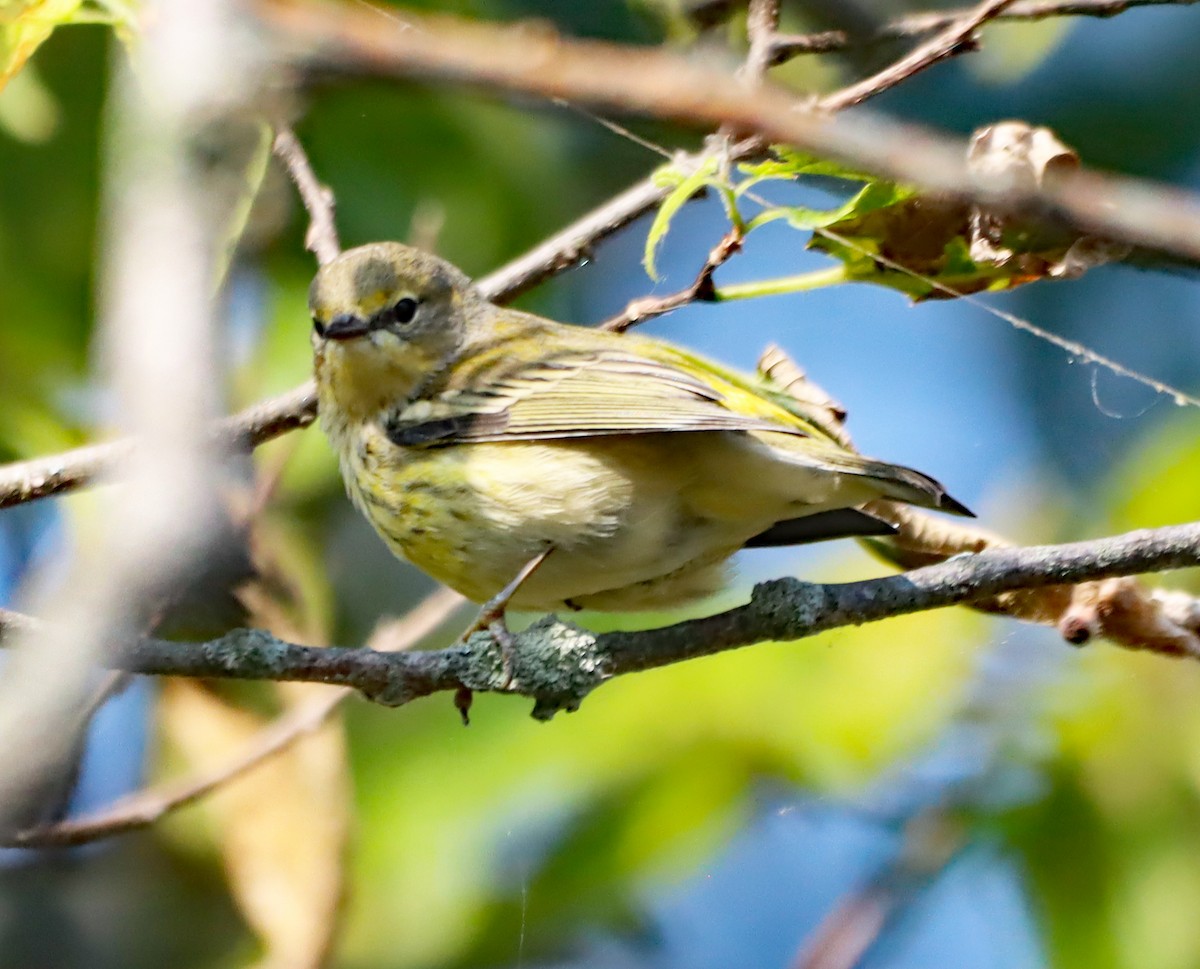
786	46
13	623
957	38
701	289
1075	350
574	245
144	808
55	474
762	20
933	839
321	239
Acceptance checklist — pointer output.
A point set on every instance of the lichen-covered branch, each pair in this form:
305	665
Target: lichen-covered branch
558	664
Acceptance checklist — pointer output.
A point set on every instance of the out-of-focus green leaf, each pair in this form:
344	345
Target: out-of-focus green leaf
1157	484
26	24
788	164
28	111
254	175
1013	50
1110	847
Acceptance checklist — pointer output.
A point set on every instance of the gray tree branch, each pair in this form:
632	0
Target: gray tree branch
558	664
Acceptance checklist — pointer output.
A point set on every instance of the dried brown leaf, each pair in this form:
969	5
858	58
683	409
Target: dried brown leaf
935	247
281	828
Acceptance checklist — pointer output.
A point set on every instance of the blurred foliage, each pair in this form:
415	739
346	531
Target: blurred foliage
27	24
693	803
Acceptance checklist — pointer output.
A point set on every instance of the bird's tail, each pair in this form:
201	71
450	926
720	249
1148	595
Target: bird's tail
898	482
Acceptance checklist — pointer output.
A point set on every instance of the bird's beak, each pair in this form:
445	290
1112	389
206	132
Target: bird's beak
346	327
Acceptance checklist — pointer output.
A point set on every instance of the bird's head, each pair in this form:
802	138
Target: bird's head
385	316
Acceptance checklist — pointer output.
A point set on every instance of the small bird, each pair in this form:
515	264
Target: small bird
525	461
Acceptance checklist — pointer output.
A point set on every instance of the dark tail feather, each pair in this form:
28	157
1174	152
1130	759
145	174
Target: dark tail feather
820	527
894	480
954	506
914	487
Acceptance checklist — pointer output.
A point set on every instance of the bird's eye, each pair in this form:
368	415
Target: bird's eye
405	310
318	327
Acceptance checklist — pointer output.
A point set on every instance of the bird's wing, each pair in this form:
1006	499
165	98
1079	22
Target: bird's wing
586	394
601	391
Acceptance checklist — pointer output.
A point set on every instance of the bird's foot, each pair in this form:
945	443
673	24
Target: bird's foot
490	620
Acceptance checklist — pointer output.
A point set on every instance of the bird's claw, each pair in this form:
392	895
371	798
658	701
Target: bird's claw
491	621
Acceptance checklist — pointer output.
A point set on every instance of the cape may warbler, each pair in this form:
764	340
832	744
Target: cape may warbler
474	438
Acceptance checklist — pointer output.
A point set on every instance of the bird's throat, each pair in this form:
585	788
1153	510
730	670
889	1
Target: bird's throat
357	381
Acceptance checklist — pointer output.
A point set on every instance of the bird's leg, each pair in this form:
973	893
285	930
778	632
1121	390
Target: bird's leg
491	614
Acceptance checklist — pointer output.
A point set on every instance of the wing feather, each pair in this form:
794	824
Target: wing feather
601	391
583	394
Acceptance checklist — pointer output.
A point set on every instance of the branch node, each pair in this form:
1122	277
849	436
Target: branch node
555	663
787	603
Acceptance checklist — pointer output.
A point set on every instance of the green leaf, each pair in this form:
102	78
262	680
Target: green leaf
789	163
685	186
873	196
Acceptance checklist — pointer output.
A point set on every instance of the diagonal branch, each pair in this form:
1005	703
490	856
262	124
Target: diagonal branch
956	38
321	239
910	26
762	20
54	474
144	808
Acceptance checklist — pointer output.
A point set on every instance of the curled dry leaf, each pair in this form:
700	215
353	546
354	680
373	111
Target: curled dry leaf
1124	611
782	371
1121	610
933	247
1028	157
